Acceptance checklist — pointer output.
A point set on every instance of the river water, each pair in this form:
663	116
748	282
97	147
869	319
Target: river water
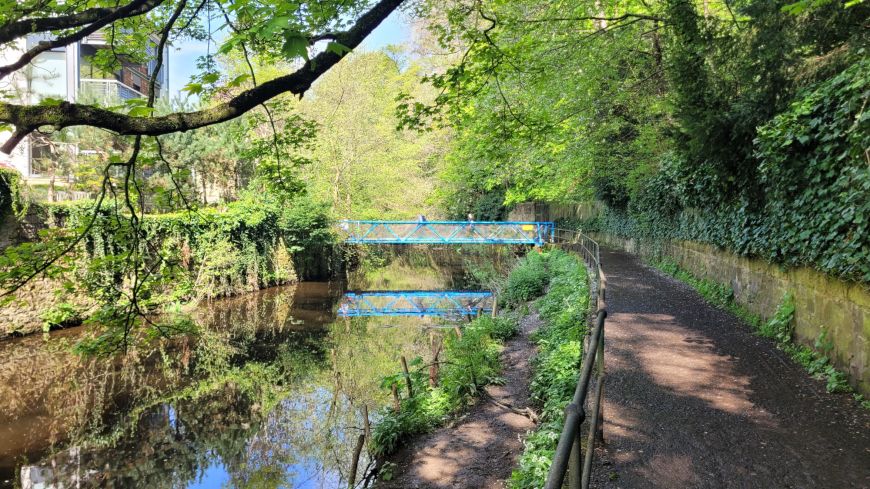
270	393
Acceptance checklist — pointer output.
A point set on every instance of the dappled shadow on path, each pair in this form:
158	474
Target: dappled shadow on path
694	399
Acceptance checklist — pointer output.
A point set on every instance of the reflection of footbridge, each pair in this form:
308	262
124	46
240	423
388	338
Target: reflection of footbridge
447	232
443	303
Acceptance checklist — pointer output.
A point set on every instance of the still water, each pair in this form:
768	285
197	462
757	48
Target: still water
270	393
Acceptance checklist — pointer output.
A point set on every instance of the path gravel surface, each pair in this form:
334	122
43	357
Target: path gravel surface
693	399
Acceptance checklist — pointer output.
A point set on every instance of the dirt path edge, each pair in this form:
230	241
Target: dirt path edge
481	447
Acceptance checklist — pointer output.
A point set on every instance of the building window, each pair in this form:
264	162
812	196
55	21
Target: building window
42	158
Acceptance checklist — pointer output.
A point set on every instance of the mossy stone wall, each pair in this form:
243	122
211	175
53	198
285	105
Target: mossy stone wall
822	303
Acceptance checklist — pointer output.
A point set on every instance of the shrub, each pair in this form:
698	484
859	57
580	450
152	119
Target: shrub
814	179
526	281
60	316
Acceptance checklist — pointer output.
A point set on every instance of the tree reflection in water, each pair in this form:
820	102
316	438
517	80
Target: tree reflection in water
270	393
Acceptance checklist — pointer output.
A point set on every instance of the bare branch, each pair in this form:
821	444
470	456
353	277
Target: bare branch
326	36
593	17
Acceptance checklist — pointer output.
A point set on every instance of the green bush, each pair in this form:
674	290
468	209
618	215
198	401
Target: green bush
11	200
255	242
526	281
60	316
500	327
812	207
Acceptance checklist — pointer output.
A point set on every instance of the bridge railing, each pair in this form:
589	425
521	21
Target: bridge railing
569	458
447	232
443	303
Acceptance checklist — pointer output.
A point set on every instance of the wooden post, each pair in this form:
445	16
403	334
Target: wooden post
433	368
494	305
407	376
351	480
366	424
397	406
458	331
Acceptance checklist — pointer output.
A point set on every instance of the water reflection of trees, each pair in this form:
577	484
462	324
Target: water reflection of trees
390	267
267	401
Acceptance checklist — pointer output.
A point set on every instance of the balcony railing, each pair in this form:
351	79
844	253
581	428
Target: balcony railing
107	89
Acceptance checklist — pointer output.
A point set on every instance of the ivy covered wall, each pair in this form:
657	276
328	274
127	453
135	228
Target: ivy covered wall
814	172
188	256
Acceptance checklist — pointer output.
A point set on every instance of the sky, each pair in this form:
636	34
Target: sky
182	59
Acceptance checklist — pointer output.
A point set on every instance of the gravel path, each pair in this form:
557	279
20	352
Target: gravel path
694	399
480	449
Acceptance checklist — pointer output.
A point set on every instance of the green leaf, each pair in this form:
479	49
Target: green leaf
239	80
337	48
140	111
295	45
192	88
210	77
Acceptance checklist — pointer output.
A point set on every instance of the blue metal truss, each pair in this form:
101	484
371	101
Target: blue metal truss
443	303
448	232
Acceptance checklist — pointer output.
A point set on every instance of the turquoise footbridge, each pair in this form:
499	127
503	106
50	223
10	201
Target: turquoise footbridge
448	232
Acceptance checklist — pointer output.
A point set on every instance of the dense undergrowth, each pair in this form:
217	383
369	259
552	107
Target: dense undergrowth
557	282
563	309
814	177
780	328
468	362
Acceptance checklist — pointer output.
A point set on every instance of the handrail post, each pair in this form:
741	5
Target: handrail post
574	416
575	463
569	458
599	433
590	448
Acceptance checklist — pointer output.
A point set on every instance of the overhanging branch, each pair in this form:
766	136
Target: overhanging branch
26	119
14	30
133	9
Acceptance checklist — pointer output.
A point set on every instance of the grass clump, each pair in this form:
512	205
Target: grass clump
556	367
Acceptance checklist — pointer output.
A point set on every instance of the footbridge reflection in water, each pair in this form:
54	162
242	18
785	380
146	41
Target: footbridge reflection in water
441	303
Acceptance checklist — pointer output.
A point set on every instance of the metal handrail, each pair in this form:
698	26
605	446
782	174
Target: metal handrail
568	458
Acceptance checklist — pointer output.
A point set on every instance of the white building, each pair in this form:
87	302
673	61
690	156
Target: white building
66	73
